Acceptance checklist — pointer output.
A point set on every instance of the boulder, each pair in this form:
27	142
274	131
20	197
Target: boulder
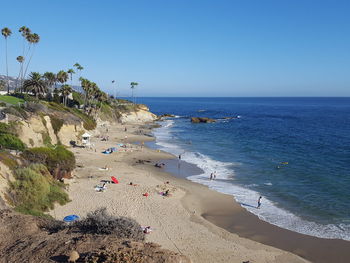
166	116
202	120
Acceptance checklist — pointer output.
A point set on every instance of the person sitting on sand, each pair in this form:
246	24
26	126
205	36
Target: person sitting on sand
147	230
166	193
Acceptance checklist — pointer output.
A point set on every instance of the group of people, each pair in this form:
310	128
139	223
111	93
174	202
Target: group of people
213	176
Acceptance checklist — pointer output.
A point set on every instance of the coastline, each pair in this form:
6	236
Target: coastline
209	239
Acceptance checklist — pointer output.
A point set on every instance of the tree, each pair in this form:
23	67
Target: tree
6	32
133	86
65	91
62	77
50	79
33	39
35	84
71	72
79	69
25	31
20	60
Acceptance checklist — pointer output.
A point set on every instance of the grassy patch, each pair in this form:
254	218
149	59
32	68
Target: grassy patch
56	124
57	159
9	141
8	159
10	99
35	191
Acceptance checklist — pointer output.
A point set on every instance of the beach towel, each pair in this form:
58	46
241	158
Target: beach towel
114	180
71	218
103	169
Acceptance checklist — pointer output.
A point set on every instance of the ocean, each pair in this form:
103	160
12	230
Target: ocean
294	152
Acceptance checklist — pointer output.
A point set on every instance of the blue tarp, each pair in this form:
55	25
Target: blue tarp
70	218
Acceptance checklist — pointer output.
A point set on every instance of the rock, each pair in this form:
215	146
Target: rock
202	120
166	116
73	256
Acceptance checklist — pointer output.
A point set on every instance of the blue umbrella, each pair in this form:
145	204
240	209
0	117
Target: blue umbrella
70	218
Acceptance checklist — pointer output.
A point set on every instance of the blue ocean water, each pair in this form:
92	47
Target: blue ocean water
295	152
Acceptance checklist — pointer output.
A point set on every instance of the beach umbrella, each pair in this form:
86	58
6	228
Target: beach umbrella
71	218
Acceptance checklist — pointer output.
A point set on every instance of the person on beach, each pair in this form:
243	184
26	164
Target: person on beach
211	176
179	156
259	202
125	129
214	175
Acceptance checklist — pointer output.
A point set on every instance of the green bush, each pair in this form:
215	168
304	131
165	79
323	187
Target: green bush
58	160
9	141
56	124
35	191
8	159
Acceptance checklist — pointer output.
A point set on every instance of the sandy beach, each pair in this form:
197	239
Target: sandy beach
188	220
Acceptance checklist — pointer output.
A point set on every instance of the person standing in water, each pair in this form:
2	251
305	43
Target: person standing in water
214	175
259	202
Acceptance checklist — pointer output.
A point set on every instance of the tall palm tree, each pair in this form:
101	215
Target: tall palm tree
35	84
71	72
65	91
85	84
6	32
79	69
50	79
25	31
62	77
133	86
20	60
33	39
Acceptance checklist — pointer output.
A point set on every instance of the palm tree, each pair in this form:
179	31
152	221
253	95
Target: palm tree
133	86
33	39
6	32
20	59
85	84
79	68
50	79
65	91
71	72
62	76
35	84
25	31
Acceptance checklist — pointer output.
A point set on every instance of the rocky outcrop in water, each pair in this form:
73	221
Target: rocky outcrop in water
202	120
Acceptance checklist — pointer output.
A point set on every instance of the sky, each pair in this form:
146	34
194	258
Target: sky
190	47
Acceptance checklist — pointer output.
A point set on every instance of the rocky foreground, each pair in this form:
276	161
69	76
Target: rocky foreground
27	237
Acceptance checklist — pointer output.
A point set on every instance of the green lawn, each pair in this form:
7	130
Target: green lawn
10	99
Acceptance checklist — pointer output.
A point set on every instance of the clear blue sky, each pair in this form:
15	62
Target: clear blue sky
190	47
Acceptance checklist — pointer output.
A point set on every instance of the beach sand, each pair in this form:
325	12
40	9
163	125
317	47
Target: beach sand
178	222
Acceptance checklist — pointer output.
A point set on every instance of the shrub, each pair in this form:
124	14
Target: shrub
46	138
9	141
8	159
56	124
2	104
58	160
17	111
35	191
100	222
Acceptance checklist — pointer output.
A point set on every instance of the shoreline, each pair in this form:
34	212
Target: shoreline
226	213
196	226
235	219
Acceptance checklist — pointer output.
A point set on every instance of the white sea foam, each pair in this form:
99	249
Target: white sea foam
224	183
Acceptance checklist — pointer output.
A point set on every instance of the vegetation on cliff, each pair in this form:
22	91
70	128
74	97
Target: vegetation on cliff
58	160
35	191
8	140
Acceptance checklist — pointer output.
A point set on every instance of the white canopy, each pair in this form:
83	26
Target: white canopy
86	135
